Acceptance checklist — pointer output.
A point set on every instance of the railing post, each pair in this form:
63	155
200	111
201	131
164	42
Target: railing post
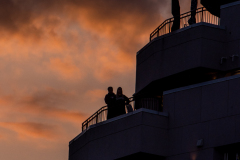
97	118
202	14
169	27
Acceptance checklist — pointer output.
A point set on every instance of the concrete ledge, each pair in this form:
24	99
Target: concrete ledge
122	136
182	30
230	5
202	84
164	114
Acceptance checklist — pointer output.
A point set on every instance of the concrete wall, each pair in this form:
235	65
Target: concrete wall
209	111
230	20
142	131
200	45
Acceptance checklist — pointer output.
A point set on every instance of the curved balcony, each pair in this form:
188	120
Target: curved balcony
202	15
99	116
151	103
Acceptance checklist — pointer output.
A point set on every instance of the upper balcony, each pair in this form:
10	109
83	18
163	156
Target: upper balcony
192	54
202	15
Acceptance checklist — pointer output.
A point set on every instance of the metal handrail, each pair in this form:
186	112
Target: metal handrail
97	117
202	15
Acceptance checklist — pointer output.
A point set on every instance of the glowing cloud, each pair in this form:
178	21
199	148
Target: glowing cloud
65	68
32	130
95	95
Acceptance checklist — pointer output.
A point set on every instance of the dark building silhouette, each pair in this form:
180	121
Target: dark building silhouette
192	76
214	5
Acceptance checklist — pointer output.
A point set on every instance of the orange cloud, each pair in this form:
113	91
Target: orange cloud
94	95
54	113
66	68
48	104
114	65
5	100
32	130
2	137
55	26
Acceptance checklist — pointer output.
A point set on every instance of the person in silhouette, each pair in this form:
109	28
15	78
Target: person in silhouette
192	20
176	13
110	100
121	101
213	6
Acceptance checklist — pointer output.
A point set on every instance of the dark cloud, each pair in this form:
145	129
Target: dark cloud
113	16
17	16
12	15
124	24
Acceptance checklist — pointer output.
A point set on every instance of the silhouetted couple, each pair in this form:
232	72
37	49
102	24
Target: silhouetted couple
116	103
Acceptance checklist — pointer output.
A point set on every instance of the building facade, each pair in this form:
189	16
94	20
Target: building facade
194	71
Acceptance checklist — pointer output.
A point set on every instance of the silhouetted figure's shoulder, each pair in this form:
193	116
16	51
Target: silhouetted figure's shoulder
123	98
110	98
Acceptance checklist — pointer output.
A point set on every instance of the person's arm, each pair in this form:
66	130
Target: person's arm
106	99
126	99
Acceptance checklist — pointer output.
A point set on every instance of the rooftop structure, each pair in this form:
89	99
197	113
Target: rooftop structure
187	103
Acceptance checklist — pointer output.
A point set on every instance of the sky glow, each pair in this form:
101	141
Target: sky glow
57	59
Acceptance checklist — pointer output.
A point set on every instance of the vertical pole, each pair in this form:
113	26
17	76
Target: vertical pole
97	118
169	26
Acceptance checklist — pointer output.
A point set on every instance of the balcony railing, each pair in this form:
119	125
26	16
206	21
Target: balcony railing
99	116
202	15
153	103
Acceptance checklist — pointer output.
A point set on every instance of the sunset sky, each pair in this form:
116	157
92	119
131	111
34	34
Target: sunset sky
57	59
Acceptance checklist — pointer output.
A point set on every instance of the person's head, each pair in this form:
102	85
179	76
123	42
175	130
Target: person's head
110	89
119	91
